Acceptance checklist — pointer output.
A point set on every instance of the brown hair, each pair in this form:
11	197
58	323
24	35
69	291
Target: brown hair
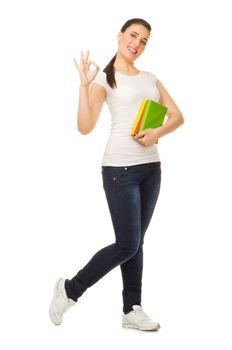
109	69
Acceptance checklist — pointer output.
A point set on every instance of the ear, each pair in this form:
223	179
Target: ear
119	36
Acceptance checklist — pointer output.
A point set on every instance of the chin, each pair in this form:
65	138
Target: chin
131	58
128	57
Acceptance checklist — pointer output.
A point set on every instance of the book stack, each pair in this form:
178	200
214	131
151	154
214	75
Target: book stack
151	114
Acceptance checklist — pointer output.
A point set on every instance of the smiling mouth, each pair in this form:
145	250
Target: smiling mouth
132	50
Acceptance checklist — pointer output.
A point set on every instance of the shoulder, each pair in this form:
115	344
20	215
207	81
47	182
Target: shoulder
150	75
100	78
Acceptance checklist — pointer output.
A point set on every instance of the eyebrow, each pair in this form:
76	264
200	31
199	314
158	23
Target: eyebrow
138	34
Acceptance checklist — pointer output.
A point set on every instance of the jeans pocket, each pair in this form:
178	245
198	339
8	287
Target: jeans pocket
114	176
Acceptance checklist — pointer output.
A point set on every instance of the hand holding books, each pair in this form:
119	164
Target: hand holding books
148	137
150	116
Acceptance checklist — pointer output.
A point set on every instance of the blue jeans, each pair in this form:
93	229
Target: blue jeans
131	193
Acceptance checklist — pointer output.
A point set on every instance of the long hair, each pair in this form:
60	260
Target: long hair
109	69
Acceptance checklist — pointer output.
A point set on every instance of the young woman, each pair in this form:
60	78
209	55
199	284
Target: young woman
131	170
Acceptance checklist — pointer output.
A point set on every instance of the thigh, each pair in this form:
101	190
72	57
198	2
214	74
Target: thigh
123	196
149	189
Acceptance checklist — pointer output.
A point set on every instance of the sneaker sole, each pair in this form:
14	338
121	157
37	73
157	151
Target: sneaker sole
54	320
128	325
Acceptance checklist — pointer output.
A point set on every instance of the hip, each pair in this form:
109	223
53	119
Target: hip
120	177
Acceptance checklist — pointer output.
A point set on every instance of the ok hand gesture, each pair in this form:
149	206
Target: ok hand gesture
86	75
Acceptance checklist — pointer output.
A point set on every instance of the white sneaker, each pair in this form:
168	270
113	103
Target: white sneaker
60	303
139	320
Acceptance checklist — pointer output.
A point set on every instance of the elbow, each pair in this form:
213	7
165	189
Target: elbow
83	131
83	127
180	119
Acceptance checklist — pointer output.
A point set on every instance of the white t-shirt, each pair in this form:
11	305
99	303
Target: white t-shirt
123	102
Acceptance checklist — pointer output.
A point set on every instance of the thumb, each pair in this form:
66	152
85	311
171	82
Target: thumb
140	134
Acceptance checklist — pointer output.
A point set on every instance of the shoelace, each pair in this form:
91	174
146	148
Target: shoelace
144	316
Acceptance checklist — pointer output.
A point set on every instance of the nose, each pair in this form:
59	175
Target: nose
136	43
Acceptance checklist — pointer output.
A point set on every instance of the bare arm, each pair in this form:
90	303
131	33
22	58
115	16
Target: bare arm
89	108
175	118
90	98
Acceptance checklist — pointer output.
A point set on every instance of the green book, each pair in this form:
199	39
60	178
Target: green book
151	114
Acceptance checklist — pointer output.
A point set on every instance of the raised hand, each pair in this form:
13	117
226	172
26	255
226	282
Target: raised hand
86	75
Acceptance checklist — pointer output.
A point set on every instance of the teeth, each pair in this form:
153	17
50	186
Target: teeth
132	50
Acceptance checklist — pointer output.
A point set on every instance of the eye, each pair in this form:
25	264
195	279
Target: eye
135	36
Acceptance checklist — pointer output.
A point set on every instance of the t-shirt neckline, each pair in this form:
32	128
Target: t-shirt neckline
129	75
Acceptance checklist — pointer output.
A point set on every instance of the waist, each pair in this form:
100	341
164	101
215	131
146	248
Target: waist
123	150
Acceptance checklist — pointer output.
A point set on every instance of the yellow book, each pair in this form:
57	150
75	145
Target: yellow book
138	117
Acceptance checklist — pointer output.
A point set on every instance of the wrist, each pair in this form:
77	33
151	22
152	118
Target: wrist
158	132
84	85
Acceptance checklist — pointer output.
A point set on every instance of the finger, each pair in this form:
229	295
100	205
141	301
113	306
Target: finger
138	136
139	140
87	56
76	65
141	134
82	58
75	61
94	64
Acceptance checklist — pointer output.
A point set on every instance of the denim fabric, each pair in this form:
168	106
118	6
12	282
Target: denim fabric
131	193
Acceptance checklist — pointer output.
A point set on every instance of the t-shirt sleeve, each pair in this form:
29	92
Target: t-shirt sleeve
101	80
154	77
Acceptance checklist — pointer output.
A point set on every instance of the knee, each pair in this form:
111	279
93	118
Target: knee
127	249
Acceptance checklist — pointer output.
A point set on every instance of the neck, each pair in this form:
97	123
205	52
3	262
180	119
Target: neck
124	66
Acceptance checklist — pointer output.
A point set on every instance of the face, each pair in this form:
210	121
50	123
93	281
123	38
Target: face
133	41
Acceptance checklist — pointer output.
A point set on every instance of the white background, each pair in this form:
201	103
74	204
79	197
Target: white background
54	214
